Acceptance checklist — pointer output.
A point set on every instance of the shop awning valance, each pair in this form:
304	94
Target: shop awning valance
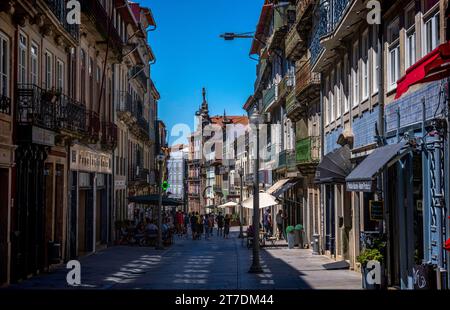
334	167
287	186
432	67
154	200
279	184
362	177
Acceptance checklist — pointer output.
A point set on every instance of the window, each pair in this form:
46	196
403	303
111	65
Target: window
393	54
331	92
345	85
34	74
410	42
355	75
48	70
338	90
326	105
365	65
431	32
4	65
375	62
22	59
60	76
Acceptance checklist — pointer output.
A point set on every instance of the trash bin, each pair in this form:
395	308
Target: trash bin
298	236
315	244
290	231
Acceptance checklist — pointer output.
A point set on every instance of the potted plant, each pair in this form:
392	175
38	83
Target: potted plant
374	252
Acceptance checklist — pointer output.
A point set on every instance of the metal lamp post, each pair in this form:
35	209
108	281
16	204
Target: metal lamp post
160	159
255	119
241	232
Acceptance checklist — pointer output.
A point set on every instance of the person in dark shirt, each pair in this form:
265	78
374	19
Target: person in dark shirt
227	223
220	223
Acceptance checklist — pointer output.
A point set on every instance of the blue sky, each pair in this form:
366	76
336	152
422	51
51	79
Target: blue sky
190	55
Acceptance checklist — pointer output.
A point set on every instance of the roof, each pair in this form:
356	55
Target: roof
260	28
243	120
248	103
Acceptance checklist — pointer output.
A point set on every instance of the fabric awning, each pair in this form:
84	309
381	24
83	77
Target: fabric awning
229	204
265	200
433	66
334	167
265	14
154	200
284	188
362	177
279	184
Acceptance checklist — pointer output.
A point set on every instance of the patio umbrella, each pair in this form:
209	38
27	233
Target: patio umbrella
228	204
265	201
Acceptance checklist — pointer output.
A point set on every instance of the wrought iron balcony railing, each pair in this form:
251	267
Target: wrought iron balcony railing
125	103
286	159
109	134
71	115
36	106
138	174
270	95
306	80
295	47
93	124
98	15
59	9
5	105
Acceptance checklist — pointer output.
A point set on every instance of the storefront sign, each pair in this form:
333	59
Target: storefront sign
86	159
362	186
376	210
43	136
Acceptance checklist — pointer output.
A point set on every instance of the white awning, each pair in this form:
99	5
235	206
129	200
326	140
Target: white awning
277	186
228	205
265	200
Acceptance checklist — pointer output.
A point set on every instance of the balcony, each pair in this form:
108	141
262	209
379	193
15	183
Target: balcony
270	96
293	108
58	8
285	86
100	22
36	107
93	126
5	105
139	175
262	72
286	159
308	154
280	27
138	73
307	86
295	47
71	116
144	126
109	135
304	16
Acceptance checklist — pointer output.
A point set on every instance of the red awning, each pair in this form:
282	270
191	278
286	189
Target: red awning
432	67
265	13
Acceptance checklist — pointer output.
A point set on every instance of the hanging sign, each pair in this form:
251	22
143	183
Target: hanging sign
376	210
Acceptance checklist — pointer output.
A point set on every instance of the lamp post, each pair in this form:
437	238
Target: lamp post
160	159
241	232
255	119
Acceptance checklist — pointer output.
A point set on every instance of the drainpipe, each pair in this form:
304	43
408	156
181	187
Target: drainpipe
322	153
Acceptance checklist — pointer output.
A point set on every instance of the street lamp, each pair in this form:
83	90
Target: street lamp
160	160
241	232
256	120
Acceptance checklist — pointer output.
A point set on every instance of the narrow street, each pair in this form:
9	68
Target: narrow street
202	264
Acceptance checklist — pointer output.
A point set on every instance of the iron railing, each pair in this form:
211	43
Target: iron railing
36	106
93	124
270	96
308	150
71	115
109	134
98	15
59	9
5	105
286	158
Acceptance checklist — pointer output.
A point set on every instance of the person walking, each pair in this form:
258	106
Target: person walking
220	223
227	222
211	224
193	221
200	226
279	219
206	226
187	217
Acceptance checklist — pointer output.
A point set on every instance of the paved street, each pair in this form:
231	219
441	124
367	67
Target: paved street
213	264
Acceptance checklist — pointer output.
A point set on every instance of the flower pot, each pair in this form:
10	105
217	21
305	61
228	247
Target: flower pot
291	240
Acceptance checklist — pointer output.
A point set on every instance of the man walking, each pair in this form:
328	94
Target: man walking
279	219
220	224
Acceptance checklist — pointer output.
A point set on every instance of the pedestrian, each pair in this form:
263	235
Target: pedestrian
279	218
267	222
206	226
220	223
193	221
211	224
179	223
227	222
199	226
187	217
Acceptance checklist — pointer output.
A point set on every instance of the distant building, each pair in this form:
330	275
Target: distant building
177	170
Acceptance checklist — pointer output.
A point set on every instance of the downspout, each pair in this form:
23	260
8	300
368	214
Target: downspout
322	154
